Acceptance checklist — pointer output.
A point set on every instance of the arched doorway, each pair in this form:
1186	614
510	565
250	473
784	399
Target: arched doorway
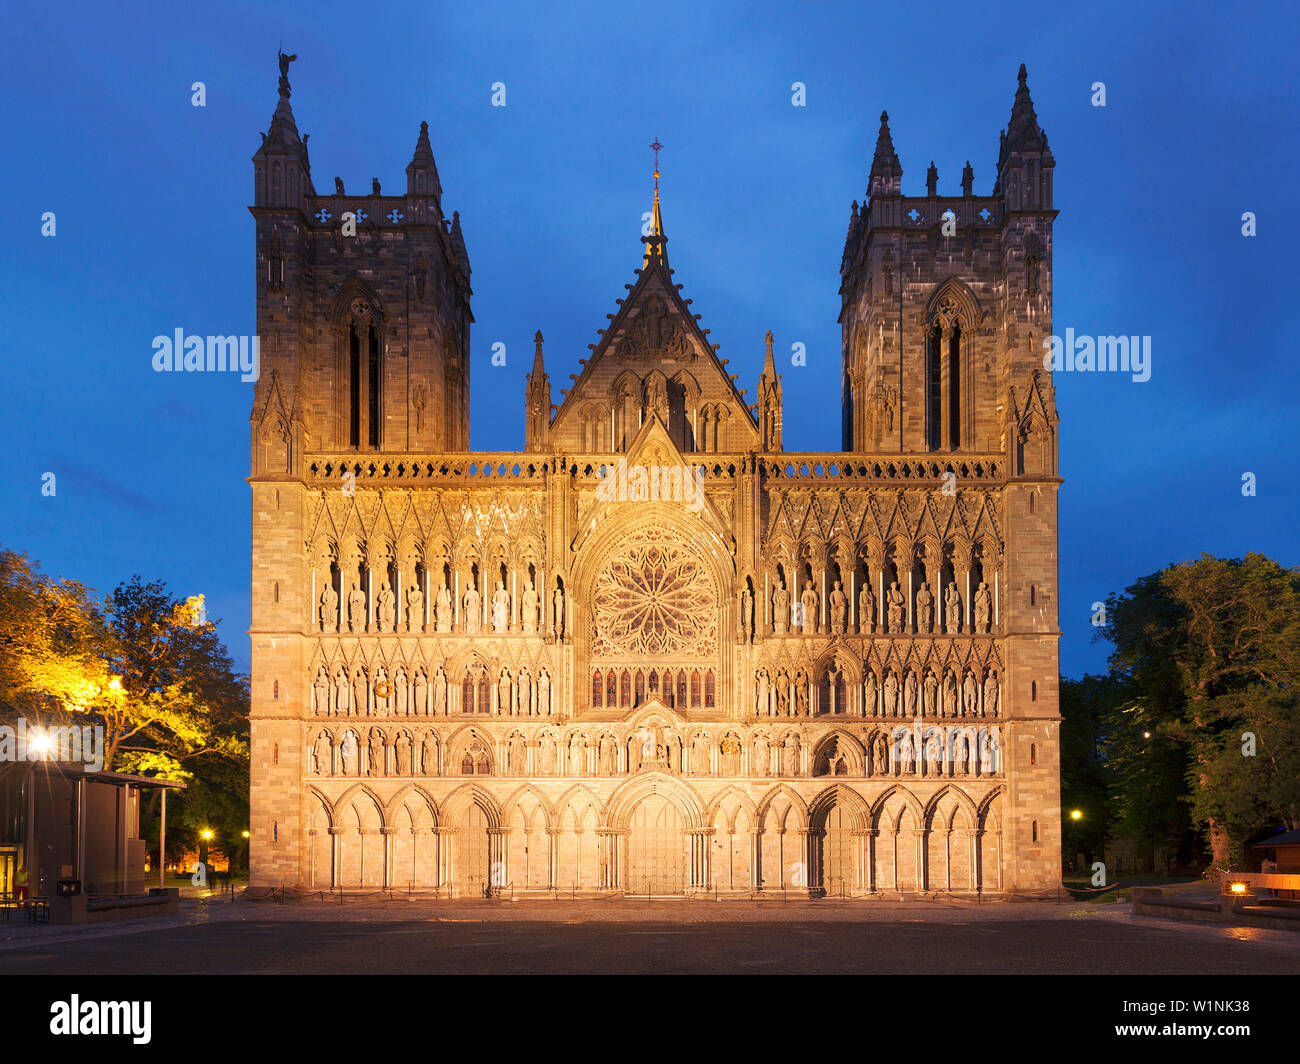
656	849
473	854
836	842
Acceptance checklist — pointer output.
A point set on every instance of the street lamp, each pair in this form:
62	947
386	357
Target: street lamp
205	836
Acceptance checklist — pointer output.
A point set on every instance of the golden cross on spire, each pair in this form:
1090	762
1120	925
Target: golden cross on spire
655	147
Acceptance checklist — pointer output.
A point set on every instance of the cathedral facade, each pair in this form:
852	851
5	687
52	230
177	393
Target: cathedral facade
654	652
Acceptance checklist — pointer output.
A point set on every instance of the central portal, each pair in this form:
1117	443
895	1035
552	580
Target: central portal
656	849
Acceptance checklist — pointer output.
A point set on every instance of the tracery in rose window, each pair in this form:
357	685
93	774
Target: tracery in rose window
653	598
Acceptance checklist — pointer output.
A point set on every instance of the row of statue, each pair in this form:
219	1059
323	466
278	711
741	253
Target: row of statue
928	751
411	694
804	614
415	618
786	696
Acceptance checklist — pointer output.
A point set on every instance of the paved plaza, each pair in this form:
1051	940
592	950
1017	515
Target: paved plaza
666	937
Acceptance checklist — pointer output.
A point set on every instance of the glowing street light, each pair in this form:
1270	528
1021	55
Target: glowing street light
1076	814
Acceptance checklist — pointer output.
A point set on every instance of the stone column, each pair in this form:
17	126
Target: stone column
335	858
860	871
553	857
872	834
388	834
498	859
921	877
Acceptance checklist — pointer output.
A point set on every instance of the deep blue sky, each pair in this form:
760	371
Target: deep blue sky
153	233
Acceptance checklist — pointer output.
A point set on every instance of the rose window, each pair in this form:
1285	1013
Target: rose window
653	598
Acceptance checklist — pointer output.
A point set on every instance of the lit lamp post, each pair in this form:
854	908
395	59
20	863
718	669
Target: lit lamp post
1075	815
205	836
246	838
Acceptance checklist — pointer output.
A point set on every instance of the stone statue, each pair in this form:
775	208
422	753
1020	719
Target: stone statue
442	613
782	693
381	700
950	695
924	610
374	186
500	608
909	695
338	186
970	696
401	693
891	695
473	610
548	756
503	694
983	608
321	755
810	603
348	754
285	60
578	755
341	701
990	695
439	707
791	750
895	608
832	684
839	609
402	755
375	752
746	613
544	694
387	602
322	689
421	704
928	706
558	618
329	609
903	751
869	694
414	609
525	694
531	602
952	608
360	700
429	755
866	608
356	609
764	692
780	609
801	695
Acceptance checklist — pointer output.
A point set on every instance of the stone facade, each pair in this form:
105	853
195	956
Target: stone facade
654	651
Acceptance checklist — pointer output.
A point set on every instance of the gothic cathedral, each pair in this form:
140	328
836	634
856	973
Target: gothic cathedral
655	652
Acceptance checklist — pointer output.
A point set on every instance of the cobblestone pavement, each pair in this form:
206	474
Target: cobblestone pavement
608	936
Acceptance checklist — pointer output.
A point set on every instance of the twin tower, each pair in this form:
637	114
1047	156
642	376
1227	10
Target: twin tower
364	318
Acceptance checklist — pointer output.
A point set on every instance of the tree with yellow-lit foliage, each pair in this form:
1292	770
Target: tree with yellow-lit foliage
148	667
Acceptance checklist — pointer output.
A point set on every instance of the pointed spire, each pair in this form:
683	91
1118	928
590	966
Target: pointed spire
769	401
967	180
422	171
458	242
284	131
932	180
288	183
886	171
1023	151
539	369
655	241
537	400
1023	133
